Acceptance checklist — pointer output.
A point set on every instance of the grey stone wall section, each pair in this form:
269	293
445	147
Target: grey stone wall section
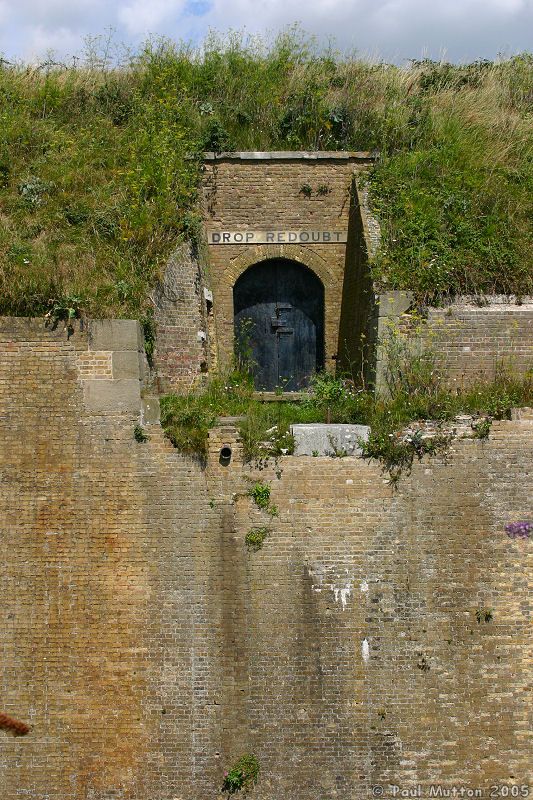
122	340
114	334
180	310
112	397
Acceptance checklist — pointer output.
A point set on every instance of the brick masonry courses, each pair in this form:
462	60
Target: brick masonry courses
469	341
148	648
474	342
181	315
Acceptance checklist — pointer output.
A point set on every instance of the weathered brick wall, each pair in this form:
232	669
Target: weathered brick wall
366	664
149	649
470	342
263	191
108	632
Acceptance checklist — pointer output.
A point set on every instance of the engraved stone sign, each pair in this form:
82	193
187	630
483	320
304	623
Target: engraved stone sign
276	237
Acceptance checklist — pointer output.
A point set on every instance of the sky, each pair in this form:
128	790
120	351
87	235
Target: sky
393	30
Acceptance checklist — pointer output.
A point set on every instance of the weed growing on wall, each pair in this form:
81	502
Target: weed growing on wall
397	452
260	494
255	538
481	429
66	309
139	434
243	774
100	165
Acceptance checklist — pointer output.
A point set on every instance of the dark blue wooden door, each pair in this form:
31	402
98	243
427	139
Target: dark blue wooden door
279	318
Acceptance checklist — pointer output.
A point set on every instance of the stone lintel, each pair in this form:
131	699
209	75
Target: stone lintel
395	303
328	439
293	155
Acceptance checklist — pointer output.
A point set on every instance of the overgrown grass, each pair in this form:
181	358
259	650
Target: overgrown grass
265	426
100	165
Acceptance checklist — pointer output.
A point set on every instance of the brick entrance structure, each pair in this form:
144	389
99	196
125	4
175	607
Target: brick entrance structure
301	206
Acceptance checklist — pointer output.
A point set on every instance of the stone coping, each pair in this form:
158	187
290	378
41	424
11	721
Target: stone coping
292	155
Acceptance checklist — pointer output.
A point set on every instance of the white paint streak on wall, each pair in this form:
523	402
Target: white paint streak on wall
365	650
340	586
343	593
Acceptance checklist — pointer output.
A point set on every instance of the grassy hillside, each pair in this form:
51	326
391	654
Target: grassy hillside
99	166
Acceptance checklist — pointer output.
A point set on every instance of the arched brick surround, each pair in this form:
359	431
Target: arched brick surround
293	252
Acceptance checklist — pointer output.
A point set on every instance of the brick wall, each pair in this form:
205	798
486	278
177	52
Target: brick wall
109	560
364	659
473	341
149	649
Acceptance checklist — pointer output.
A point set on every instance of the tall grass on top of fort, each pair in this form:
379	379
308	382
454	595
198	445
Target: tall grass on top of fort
100	164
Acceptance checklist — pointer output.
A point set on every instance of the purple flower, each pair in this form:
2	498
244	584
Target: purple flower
519	530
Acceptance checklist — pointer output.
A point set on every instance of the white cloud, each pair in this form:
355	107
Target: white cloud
40	41
140	17
392	29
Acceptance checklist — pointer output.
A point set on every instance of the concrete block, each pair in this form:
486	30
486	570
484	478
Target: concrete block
392	304
114	334
125	364
112	397
150	411
326	440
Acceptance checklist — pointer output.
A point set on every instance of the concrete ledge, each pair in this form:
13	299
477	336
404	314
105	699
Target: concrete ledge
112	397
114	334
328	440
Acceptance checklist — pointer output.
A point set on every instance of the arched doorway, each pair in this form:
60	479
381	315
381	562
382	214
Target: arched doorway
279	317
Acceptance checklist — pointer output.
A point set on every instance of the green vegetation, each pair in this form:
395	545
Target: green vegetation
481	429
100	165
417	392
255	537
260	494
397	452
484	614
139	434
243	774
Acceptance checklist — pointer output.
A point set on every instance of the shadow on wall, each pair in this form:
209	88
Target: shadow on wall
357	328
